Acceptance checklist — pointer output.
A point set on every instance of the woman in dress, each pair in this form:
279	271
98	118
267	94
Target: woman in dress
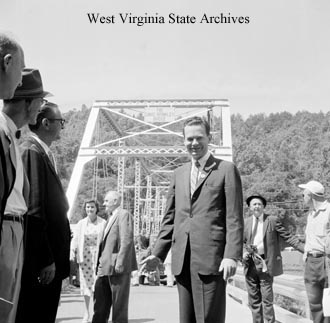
84	247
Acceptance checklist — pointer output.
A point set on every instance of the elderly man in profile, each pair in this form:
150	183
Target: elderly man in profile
317	229
47	230
11	66
116	261
14	187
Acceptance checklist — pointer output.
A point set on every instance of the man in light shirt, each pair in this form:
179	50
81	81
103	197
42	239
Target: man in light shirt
14	187
317	228
262	257
47	230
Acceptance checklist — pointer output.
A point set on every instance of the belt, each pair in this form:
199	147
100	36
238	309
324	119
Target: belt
315	254
13	217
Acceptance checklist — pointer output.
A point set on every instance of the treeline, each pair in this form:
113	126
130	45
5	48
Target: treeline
274	153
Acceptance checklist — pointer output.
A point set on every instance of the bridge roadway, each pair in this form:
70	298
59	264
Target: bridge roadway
158	304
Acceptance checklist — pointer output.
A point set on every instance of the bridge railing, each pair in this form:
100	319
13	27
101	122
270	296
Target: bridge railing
288	286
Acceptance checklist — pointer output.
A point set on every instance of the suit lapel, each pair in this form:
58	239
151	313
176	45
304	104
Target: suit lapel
266	223
210	164
46	158
108	227
186	180
249	223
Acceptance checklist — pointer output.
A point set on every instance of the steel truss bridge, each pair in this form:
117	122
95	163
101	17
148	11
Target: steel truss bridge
145	138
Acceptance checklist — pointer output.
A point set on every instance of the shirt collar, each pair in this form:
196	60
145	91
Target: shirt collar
42	143
115	211
11	127
322	207
202	161
260	219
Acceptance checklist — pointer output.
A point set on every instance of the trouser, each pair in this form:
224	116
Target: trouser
11	264
111	291
260	294
315	281
202	298
38	303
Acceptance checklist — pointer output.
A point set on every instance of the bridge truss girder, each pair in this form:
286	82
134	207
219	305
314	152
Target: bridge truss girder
121	147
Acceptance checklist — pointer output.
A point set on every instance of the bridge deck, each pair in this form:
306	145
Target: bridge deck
157	304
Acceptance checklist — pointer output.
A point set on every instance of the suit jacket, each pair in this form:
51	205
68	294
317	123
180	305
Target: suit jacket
273	229
47	227
116	245
77	243
212	219
7	171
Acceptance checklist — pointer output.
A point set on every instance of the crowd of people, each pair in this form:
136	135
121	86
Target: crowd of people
203	228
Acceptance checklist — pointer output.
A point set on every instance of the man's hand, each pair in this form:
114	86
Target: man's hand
246	255
119	269
47	274
150	263
228	266
72	255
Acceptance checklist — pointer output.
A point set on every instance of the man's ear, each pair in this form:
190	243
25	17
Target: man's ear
45	122
6	62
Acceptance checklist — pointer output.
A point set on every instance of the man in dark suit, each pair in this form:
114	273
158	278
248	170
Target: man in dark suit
47	230
14	188
116	261
203	224
262	257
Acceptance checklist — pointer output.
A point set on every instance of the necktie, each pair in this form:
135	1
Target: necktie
194	177
255	228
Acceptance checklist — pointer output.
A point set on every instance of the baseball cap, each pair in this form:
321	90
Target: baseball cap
314	187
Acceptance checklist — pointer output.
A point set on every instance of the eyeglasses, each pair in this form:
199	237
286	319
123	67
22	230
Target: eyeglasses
62	121
42	103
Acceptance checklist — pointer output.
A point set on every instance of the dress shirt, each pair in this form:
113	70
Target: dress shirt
317	228
202	161
16	203
259	238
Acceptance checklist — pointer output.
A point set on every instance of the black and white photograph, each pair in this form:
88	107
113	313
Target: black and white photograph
164	161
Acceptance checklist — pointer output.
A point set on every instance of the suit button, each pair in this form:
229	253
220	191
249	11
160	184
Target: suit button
190	215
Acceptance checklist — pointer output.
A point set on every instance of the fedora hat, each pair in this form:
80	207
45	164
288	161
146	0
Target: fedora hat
256	196
31	85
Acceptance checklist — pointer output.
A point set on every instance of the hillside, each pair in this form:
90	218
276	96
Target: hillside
274	153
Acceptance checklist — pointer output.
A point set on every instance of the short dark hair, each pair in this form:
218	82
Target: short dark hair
7	46
197	121
46	111
89	202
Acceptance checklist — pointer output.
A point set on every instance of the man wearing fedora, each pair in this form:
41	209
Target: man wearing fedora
14	188
262	257
48	236
11	66
317	228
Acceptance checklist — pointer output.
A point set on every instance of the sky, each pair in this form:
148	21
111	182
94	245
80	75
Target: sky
279	61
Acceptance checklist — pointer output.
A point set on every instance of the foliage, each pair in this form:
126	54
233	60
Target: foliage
273	153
